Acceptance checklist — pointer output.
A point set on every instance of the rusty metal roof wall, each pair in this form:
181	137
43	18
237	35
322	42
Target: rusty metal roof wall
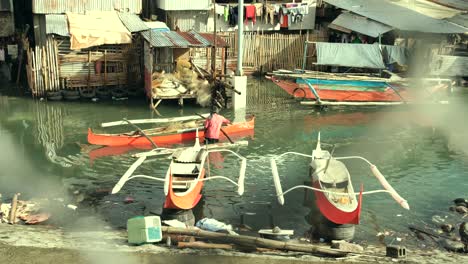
132	22
79	6
177	39
199	38
193	41
157	39
219	43
57	24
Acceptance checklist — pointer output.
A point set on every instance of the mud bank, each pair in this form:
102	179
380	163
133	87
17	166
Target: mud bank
42	244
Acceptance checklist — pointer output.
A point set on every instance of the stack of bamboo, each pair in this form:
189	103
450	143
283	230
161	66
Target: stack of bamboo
42	68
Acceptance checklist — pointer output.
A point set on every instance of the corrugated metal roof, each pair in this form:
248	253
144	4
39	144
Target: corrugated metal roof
132	22
189	37
176	39
57	24
219	41
156	39
398	16
360	24
6	5
74	6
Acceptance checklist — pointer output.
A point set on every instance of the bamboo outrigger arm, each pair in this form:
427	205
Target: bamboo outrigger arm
128	175
387	187
155	120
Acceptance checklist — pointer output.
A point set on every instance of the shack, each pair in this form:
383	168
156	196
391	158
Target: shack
8	47
170	67
87	55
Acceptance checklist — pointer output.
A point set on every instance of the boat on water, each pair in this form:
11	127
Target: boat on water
170	134
186	174
331	182
322	87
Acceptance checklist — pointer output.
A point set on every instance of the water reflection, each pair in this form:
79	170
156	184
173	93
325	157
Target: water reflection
421	151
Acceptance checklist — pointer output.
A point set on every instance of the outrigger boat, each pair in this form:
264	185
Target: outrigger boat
186	174
166	135
331	182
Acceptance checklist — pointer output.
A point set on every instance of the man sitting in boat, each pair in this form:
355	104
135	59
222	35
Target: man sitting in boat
213	125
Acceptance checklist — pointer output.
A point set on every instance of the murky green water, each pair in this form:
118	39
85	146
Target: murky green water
421	151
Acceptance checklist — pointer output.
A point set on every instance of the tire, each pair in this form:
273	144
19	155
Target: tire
119	93
87	93
55	98
71	93
103	92
185	216
72	98
331	231
53	93
299	93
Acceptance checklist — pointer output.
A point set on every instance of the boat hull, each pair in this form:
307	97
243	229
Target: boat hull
346	93
187	201
332	213
236	129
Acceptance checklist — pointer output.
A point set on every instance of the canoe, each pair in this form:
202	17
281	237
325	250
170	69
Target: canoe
332	186
334	194
352	90
164	136
185	176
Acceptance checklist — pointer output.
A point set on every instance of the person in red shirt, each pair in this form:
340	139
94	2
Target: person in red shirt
213	126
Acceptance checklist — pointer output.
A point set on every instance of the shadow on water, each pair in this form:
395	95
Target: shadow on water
422	152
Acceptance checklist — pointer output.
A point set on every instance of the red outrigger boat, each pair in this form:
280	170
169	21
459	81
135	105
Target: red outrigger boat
325	87
185	176
163	136
331	183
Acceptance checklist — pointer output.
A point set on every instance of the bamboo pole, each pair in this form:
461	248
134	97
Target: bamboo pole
203	245
254	241
14	206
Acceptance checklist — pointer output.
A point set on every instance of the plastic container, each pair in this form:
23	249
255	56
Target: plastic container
142	229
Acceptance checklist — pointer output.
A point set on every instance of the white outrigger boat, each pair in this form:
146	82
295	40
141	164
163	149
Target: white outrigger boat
186	173
331	183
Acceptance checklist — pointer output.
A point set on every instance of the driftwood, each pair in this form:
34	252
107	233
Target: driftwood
203	245
254	241
14	205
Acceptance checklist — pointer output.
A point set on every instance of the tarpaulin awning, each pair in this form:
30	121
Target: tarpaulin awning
349	55
97	28
395	54
398	16
348	22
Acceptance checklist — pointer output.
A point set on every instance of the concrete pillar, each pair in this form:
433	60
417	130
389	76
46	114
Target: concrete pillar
240	100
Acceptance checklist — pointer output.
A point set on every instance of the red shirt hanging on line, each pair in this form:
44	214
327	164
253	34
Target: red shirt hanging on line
213	125
250	14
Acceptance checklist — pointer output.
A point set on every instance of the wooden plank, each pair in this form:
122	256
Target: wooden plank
154	120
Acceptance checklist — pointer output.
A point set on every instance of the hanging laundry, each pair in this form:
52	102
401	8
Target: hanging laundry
270	13
250	14
226	13
233	15
283	17
219	9
2	55
258	9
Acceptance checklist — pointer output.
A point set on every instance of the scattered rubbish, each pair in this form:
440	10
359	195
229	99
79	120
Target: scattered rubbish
210	224
447	228
399	215
128	200
35	218
398	239
437	219
71	206
142	229
451	245
396	251
346	246
276	233
174	223
461	209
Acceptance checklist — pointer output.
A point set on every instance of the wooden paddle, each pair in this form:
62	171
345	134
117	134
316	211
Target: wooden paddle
141	131
222	130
